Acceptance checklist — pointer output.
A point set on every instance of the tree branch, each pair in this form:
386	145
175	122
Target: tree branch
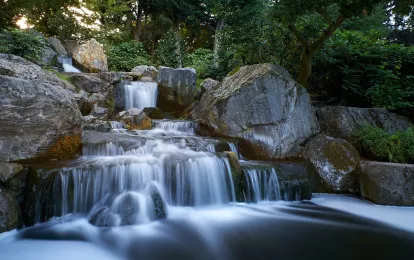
327	33
298	35
326	17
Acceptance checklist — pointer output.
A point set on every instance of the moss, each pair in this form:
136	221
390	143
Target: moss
337	155
66	147
110	104
233	72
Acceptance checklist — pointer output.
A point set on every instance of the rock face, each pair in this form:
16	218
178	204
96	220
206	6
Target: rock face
177	88
336	161
135	119
17	67
388	183
39	118
57	46
89	83
270	112
70	46
146	71
47	57
342	122
9	170
91	56
10	215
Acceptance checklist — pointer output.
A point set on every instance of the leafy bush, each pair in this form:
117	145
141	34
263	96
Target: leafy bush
127	55
201	60
26	44
166	51
368	71
375	143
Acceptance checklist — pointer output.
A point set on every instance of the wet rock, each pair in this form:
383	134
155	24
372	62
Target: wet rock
127	207
98	126
119	96
105	218
57	46
177	88
147	79
89	83
10	214
16	185
160	208
270	112
91	56
146	71
40	119
135	119
336	161
387	183
153	112
48	57
86	102
9	170
342	122
111	76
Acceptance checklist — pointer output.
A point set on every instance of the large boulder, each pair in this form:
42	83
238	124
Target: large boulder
388	183
146	71
342	122
336	161
57	46
70	46
17	67
48	57
39	118
177	88
269	111
10	214
91	56
89	83
209	85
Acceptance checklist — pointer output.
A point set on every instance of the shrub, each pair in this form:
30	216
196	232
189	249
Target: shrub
26	44
375	143
127	55
166	50
201	60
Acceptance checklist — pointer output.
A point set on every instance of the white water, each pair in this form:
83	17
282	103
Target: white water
176	126
261	185
68	65
141	95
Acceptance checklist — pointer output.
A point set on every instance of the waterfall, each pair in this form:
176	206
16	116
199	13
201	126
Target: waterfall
141	95
67	64
261	184
187	127
116	125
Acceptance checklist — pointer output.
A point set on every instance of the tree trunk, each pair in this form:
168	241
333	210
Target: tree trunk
305	67
137	28
217	41
178	50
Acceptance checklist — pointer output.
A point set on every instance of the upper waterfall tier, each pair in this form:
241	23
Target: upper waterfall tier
141	95
67	64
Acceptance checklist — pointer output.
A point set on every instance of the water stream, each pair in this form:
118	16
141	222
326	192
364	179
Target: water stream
67	64
167	193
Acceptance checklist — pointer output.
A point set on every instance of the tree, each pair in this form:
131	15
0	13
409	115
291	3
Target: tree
333	13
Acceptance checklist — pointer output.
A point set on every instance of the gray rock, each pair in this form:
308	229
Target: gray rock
111	76
271	113
209	85
89	82
57	46
17	67
39	118
89	119
147	79
119	96
9	170
135	119
99	112
342	122
86	102
388	183
98	126
146	71
336	161
10	214
48	57
177	88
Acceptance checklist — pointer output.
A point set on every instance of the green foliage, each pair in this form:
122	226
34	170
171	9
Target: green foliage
127	55
201	60
377	144
370	72
170	50
26	44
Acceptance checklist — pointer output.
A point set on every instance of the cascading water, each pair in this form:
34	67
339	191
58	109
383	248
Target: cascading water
67	64
141	95
178	192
